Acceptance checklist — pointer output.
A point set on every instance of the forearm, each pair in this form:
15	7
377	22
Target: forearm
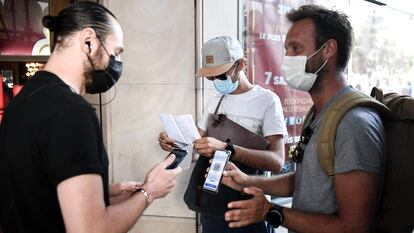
121	191
319	223
114	190
82	204
280	185
259	159
271	159
122	216
118	218
119	198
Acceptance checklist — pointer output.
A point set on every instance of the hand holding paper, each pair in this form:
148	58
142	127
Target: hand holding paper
181	128
183	131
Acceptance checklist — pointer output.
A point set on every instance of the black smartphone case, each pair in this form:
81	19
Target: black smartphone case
179	156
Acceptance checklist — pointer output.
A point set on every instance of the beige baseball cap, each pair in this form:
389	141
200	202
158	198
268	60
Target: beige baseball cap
218	55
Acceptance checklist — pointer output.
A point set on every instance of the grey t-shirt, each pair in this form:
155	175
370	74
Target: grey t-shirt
359	145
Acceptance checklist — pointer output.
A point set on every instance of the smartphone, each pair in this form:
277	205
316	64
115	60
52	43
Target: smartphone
215	173
179	156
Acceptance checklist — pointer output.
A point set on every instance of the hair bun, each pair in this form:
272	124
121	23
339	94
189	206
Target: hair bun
50	22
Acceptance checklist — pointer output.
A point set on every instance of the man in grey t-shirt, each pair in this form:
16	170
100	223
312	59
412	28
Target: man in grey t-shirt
359	145
318	47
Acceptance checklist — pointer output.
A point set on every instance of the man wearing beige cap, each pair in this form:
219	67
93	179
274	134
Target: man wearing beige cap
255	136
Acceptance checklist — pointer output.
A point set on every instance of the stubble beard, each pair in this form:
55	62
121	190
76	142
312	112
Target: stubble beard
88	67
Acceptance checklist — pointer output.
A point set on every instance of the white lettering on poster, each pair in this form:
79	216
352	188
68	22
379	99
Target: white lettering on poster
277	80
272	37
283	9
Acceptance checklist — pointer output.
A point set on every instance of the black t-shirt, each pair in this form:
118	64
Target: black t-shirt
48	134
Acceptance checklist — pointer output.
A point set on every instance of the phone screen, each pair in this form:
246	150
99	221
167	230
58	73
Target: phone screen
216	171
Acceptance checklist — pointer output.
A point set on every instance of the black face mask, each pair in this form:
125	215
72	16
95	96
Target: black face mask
103	80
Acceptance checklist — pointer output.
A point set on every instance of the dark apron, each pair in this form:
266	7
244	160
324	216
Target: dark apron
215	205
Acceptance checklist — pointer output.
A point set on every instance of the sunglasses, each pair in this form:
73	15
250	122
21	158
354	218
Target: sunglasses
297	153
222	76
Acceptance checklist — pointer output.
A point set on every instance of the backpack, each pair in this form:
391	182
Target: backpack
396	213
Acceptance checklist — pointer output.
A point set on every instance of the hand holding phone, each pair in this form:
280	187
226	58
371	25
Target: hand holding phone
216	171
179	156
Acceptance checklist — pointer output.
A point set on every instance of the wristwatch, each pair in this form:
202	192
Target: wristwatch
230	147
275	215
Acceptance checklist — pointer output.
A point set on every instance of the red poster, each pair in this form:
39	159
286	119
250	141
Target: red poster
264	34
21	30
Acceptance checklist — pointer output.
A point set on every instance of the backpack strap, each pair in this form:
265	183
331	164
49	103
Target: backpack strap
377	94
330	122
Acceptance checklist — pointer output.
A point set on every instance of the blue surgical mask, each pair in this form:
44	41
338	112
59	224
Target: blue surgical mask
226	86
